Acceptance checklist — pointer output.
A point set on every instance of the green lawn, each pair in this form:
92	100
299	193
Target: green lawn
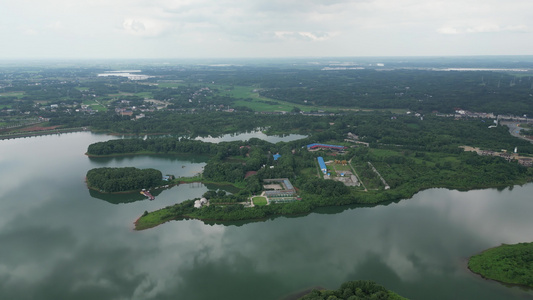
144	94
309	171
176	83
12	94
152	219
257	105
259	200
254	101
95	105
332	172
340	167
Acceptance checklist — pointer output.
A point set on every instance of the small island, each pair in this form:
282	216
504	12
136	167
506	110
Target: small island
127	179
359	289
511	264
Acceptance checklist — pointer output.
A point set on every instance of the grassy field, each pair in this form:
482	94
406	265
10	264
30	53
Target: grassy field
12	94
95	105
190	179
309	172
171	84
332	172
147	95
259	200
258	103
246	96
152	219
252	99
370	179
340	167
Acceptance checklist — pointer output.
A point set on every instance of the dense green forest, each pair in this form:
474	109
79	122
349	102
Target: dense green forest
409	153
284	87
417	90
158	145
354	290
507	263
384	130
189	124
111	180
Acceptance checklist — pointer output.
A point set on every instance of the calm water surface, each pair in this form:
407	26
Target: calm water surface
254	134
57	241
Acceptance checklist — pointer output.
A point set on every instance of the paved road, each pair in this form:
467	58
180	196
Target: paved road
514	130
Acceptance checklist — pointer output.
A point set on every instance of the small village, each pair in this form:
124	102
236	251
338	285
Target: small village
523	160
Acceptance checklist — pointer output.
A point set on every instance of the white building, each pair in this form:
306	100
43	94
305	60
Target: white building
200	203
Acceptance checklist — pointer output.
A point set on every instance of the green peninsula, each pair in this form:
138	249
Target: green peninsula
345	159
512	264
359	289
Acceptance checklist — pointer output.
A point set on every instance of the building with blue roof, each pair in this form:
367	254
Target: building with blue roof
168	177
276	156
322	165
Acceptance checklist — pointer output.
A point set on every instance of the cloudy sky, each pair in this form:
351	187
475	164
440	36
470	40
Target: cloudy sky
263	28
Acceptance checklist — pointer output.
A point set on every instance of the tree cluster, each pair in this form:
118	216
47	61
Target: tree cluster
419	90
506	263
158	145
123	179
354	290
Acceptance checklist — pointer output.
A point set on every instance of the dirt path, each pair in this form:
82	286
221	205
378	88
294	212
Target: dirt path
357	175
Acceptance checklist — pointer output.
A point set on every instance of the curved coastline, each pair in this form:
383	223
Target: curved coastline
166	215
16	135
510	265
312	199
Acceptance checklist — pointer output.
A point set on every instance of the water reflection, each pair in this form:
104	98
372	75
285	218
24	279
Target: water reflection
121	198
254	134
121	160
169	195
58	242
177	165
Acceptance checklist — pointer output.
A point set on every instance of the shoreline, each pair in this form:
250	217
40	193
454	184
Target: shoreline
484	277
141	153
130	191
188	217
499	281
17	135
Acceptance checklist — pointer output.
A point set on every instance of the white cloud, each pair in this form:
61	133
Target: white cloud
57	25
199	27
302	36
30	31
487	28
145	27
448	30
518	28
482	28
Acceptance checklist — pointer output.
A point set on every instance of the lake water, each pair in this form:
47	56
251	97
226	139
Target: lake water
254	134
57	241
